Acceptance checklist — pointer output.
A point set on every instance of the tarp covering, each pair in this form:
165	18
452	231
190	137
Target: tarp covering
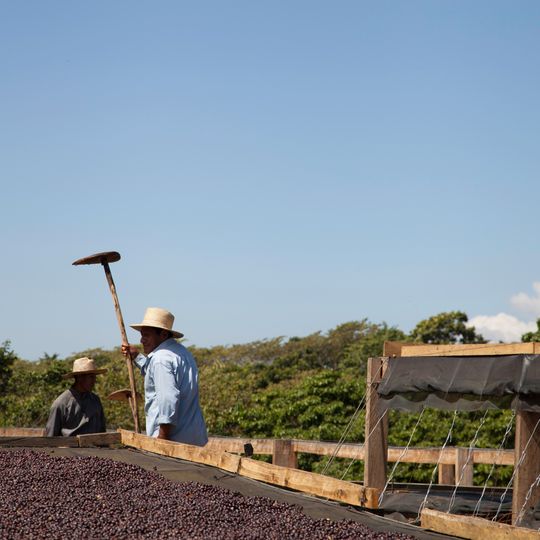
465	383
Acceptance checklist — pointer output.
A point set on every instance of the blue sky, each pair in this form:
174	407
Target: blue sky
267	168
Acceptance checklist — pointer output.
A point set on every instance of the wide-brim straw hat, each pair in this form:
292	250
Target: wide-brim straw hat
158	318
84	366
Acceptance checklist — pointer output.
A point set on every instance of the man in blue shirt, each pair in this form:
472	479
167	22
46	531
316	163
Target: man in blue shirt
171	381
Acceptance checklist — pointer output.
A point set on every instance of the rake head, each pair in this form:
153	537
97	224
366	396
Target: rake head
99	258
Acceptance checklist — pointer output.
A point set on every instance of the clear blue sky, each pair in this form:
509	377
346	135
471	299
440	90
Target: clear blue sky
267	168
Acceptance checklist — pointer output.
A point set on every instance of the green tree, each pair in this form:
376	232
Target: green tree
447	327
7	358
532	336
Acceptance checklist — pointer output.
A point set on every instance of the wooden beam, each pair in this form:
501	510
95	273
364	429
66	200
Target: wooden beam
22	432
197	454
322	448
491	456
473	528
448	455
236	445
392	349
99	439
376	429
357	451
315	484
307	482
40	442
476	349
527	449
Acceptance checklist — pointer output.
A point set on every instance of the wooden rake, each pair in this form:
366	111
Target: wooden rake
104	259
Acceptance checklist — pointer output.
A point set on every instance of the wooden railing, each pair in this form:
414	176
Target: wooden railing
454	462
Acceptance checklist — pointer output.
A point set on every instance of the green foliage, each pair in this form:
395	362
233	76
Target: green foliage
35	385
302	387
318	404
449	327
30	392
532	336
7	359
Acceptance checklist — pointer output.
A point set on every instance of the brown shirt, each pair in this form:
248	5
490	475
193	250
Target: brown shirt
75	413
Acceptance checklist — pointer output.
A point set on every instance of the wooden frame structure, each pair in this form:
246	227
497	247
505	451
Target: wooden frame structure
527	438
462	526
270	473
306	482
285	452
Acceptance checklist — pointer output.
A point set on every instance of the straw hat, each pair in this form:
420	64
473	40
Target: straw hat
84	366
158	318
122	395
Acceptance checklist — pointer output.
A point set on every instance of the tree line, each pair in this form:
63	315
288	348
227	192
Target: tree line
299	387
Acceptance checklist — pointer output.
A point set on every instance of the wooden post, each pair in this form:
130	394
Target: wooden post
283	454
527	449
447	474
376	438
464	466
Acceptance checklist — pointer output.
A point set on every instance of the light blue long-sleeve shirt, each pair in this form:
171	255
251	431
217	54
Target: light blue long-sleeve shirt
171	389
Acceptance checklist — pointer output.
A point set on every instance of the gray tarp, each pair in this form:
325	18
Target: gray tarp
465	383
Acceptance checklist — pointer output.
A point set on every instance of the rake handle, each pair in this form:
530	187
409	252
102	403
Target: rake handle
133	400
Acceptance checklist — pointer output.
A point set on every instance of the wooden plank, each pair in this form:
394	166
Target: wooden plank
445	456
392	349
527	448
236	445
197	454
307	482
22	432
284	454
491	456
376	429
40	442
473	349
99	439
266	446
321	448
473	528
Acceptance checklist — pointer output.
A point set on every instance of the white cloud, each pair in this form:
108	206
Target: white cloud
503	327
528	304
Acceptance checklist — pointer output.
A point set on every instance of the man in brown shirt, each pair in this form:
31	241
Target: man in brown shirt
78	410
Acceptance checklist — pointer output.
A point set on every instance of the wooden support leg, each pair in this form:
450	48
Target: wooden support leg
527	449
376	443
283	454
464	466
447	474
